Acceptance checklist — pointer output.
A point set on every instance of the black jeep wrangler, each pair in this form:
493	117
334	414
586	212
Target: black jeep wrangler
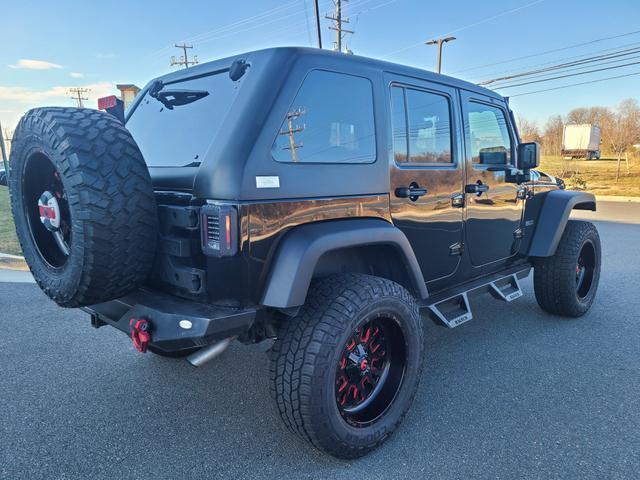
326	202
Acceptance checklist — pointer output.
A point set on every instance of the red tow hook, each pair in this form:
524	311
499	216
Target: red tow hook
140	333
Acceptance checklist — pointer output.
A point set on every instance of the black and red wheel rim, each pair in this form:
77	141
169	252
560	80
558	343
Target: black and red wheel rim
46	208
370	371
585	269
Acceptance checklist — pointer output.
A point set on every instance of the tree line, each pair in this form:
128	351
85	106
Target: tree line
619	128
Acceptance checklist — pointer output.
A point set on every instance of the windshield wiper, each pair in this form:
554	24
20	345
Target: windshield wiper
175	98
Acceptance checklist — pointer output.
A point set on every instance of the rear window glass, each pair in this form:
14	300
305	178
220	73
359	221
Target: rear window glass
330	121
176	128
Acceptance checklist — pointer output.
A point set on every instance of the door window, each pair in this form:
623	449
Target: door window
488	135
421	127
330	121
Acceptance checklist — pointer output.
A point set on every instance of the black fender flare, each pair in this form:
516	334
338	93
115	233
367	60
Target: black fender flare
549	212
293	265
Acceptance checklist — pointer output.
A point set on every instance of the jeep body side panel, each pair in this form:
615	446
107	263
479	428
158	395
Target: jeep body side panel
546	216
267	223
300	250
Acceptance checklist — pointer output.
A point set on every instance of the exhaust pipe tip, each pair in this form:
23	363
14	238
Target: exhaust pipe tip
204	355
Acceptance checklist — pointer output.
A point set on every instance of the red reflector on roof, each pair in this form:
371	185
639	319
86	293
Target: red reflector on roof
107	102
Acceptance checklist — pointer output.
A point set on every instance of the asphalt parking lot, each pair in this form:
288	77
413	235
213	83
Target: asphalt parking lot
515	393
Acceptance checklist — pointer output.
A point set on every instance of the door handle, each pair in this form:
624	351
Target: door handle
457	200
412	192
478	188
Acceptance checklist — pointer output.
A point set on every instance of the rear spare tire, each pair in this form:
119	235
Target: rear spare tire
83	205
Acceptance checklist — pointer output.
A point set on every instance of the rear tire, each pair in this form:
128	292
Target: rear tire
327	375
566	283
82	170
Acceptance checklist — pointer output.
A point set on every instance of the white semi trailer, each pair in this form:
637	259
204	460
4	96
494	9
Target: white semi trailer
581	141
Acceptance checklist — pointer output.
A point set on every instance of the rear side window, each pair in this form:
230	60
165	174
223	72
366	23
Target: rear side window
421	127
488	135
330	121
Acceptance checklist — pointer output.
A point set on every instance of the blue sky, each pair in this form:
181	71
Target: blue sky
48	47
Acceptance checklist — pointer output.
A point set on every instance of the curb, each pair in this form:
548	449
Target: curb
13	262
617	198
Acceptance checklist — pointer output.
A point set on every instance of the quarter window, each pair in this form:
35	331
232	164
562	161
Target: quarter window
488	135
330	121
421	127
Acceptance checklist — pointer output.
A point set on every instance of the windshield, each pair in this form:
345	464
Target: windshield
175	123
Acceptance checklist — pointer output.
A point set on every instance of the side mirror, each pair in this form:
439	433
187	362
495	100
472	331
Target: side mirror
528	155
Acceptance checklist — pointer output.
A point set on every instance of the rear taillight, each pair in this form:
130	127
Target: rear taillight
219	230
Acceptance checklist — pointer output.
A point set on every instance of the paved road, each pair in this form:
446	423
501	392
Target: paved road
513	394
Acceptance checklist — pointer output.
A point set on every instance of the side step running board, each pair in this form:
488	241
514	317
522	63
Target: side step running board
452	311
507	288
454	308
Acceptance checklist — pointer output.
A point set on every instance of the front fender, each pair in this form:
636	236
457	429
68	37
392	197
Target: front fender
298	253
548	213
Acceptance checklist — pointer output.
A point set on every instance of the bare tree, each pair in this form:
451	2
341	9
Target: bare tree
528	130
623	130
552	136
592	115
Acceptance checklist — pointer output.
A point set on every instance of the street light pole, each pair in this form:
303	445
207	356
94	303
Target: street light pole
439	42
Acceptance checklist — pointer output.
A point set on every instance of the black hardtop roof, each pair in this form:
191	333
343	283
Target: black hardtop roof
256	55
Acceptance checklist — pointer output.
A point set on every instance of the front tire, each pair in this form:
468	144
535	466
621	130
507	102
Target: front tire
345	370
566	283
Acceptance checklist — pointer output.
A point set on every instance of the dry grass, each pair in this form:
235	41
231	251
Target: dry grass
596	176
8	240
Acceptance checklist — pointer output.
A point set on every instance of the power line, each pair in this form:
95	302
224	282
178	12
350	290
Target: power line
560	66
578	68
569	75
231	26
77	93
575	84
572	57
224	32
184	58
484	20
549	51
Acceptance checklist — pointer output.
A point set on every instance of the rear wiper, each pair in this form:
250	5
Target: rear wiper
175	98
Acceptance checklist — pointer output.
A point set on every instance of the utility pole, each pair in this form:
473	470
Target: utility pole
338	20
319	33
184	59
77	93
291	130
439	42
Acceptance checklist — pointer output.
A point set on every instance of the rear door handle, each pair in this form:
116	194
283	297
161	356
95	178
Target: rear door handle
478	188
412	192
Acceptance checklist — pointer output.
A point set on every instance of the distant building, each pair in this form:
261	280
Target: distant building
128	92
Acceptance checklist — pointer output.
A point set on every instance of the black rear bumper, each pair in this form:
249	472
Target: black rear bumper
207	323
